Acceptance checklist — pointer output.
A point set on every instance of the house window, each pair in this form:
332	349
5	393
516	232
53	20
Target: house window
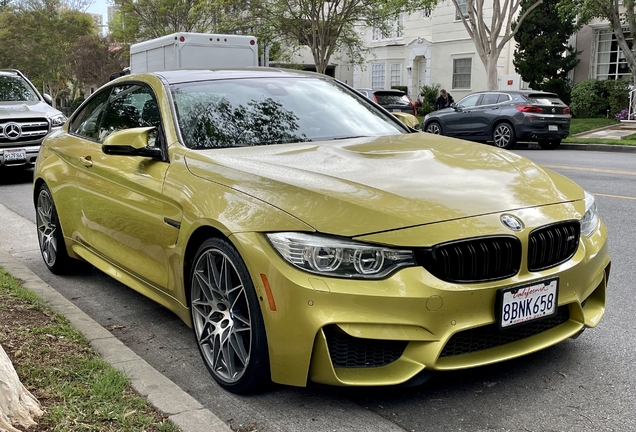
377	34
610	60
399	26
396	74
463	8
377	76
461	73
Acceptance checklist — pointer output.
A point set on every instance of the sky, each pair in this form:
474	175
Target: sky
99	7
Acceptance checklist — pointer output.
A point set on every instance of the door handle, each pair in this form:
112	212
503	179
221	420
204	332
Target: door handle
86	161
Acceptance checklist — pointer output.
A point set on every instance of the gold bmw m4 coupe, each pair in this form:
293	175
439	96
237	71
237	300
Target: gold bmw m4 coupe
306	234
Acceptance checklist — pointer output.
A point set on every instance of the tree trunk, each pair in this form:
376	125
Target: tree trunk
491	71
17	405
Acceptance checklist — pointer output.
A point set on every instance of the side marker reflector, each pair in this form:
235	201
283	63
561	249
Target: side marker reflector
268	291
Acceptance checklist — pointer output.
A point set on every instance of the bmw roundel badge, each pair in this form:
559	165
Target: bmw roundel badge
511	222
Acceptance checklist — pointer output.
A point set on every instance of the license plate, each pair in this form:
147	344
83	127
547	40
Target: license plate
553	128
14	155
522	304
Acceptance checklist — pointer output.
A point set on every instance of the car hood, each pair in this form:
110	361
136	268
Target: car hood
25	109
366	185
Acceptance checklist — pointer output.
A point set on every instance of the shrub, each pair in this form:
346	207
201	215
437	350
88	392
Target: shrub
589	99
428	94
404	89
561	87
617	95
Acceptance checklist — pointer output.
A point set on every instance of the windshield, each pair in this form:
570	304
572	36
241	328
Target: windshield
253	112
13	88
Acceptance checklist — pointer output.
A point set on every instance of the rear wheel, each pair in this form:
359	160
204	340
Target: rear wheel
549	145
50	238
504	136
227	320
434	128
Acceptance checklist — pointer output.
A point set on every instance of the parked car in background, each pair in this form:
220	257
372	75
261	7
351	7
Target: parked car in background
391	100
307	235
504	117
397	102
26	117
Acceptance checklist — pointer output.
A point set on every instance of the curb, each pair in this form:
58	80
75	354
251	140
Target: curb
163	394
573	146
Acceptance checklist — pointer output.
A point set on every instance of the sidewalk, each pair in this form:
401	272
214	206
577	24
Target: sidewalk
163	394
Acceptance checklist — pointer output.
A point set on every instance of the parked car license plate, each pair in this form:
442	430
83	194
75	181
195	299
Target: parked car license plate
553	128
14	155
522	304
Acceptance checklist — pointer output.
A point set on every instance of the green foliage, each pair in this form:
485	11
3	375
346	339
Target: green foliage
428	95
37	38
139	20
404	89
617	95
543	57
561	87
589	99
326	27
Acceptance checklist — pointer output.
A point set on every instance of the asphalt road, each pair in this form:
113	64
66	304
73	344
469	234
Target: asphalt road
587	384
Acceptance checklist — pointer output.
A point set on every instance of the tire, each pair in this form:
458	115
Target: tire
227	320
434	128
50	237
550	145
504	136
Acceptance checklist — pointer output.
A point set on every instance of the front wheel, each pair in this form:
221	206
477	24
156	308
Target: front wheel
227	320
550	145
504	136
50	238
434	128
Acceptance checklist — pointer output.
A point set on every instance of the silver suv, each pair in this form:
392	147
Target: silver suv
25	119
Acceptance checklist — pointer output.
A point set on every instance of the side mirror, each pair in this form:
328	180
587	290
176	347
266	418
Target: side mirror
454	106
47	98
131	142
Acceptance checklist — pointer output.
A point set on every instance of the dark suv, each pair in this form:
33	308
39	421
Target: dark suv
504	117
391	100
25	119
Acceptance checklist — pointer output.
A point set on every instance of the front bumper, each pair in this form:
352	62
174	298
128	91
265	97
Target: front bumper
31	155
399	327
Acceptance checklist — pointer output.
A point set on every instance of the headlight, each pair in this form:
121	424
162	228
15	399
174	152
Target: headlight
58	120
330	256
590	219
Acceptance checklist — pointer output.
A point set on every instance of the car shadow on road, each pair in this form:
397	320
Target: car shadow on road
12	176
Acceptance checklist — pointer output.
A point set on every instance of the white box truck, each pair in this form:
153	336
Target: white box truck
193	51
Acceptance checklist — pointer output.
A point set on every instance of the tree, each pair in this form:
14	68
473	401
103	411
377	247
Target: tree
95	58
37	38
148	19
543	57
17	405
325	26
620	14
491	37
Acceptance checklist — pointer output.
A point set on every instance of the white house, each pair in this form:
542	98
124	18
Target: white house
431	47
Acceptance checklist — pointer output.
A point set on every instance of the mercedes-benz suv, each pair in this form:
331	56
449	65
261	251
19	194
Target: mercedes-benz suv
25	119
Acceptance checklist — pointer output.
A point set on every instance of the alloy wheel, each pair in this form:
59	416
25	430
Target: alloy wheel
433	128
47	227
221	315
503	136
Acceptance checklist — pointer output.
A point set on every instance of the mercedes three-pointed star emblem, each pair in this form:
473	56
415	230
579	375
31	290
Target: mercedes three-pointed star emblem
12	131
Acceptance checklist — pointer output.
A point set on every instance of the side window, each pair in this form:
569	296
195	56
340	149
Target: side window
489	99
469	101
87	120
130	106
503	98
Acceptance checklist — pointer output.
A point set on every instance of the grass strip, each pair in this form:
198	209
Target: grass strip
78	390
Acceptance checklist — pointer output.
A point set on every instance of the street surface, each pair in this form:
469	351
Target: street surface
587	384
